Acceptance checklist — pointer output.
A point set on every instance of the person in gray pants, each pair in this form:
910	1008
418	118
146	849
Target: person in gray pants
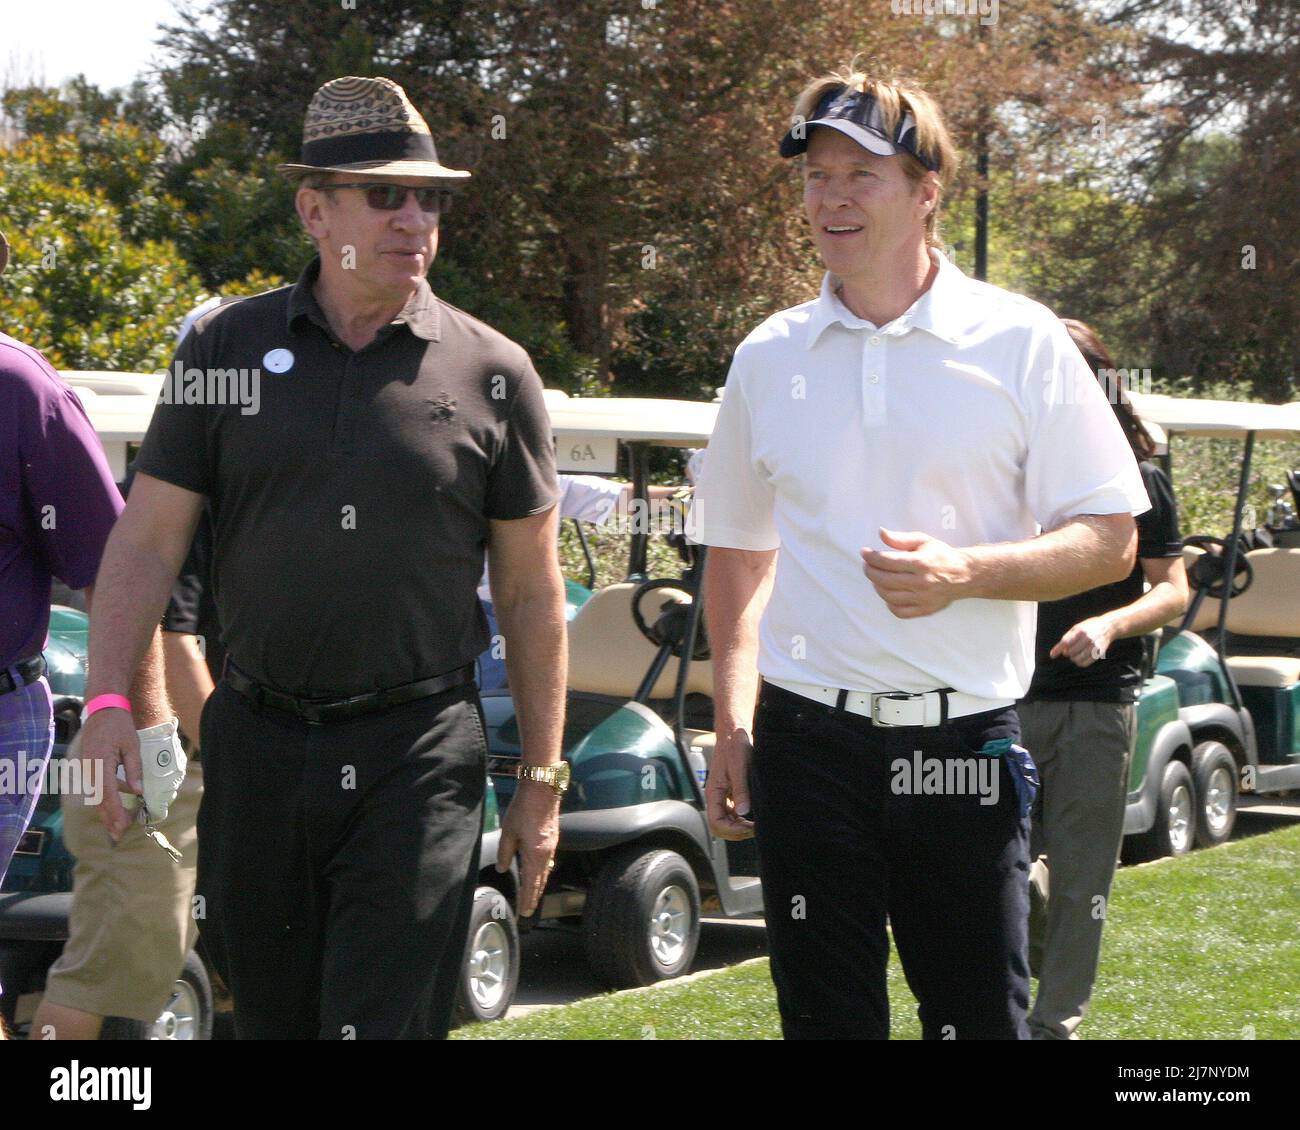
1078	718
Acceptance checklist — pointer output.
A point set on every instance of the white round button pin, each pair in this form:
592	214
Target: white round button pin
278	361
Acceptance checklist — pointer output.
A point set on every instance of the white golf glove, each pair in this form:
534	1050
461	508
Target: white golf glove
162	769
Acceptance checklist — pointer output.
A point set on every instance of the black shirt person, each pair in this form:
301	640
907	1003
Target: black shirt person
1078	717
360	443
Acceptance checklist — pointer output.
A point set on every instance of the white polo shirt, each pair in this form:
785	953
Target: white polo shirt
972	417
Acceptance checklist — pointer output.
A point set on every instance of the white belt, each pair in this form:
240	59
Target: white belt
896	708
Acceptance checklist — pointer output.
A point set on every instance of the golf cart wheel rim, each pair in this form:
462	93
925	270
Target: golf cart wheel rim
1180	818
489	961
670	923
180	1015
1218	800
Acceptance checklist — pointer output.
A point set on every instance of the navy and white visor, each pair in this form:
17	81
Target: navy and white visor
857	115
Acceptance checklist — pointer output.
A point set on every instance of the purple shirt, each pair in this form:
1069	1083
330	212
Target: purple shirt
58	500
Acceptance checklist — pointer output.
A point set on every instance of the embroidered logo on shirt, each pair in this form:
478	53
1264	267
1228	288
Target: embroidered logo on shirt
441	407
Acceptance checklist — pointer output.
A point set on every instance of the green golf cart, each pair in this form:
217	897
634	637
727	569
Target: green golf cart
1219	713
637	864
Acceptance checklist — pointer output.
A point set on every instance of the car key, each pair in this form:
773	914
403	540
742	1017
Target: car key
155	835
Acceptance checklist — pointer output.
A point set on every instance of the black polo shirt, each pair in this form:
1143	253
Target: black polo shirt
1118	677
350	509
191	610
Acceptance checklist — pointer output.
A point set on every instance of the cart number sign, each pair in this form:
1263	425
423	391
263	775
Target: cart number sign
581	454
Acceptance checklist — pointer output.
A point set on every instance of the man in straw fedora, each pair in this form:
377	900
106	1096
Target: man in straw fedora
394	439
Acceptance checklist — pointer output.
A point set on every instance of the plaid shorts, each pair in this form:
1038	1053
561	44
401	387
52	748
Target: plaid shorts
26	738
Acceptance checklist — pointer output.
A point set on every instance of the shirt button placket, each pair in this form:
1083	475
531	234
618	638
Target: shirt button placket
345	421
873	369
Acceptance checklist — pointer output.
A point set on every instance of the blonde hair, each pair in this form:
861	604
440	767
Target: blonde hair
896	98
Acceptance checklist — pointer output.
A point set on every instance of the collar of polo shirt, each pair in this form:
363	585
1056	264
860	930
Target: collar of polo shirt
940	310
420	313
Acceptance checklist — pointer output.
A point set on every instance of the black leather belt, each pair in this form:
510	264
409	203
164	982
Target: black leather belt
319	711
29	670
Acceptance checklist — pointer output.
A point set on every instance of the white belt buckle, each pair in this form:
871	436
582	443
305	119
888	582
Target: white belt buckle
893	708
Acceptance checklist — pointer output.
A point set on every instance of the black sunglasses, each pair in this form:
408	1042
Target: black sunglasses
390	197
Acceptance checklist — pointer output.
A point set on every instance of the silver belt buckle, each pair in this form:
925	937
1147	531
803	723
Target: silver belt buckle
899	710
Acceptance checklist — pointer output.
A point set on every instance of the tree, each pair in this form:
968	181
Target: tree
78	288
97	278
1214	174
626	183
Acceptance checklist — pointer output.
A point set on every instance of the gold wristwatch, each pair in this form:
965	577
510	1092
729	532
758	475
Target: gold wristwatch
557	775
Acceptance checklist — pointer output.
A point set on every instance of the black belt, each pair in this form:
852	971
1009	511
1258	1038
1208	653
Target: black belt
29	670
318	711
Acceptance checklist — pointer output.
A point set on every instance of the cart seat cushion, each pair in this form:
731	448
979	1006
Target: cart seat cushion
1271	606
1264	670
607	655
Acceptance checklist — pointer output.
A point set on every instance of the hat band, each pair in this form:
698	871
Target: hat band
403	145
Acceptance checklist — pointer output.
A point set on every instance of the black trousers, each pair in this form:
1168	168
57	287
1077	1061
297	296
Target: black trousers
337	864
849	834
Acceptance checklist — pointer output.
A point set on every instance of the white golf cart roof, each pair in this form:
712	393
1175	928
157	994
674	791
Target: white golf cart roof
1219	419
587	429
120	406
673	423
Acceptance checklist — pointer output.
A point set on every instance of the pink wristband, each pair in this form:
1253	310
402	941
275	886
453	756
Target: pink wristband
106	702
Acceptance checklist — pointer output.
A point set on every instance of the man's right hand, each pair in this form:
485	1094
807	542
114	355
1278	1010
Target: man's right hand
727	791
109	737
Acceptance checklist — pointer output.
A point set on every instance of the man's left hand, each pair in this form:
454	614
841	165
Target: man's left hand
918	575
531	828
1086	642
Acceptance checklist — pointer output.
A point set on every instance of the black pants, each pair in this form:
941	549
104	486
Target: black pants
845	840
337	864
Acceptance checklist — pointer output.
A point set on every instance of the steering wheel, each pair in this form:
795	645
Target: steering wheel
1207	572
673	621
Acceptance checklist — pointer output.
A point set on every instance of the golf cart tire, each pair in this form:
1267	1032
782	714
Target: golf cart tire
1214	772
492	943
192	985
1159	841
633	889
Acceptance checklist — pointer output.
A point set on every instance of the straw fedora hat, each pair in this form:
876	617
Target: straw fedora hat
367	125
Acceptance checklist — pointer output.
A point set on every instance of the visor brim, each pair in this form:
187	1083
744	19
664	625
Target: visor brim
871	141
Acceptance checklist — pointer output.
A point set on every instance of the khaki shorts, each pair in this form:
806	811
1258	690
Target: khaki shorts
131	923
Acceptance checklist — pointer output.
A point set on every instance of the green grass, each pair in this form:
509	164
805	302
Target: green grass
1202	947
1223	923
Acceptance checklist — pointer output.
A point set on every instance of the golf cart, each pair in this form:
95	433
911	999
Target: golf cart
637	862
36	897
1220	711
